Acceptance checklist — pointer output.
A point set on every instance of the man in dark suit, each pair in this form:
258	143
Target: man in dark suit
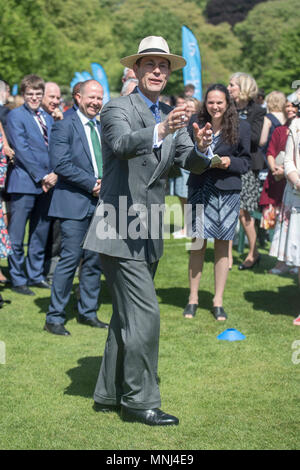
50	104
75	152
51	100
29	184
141	139
75	91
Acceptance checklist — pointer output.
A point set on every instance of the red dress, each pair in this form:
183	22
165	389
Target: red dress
272	192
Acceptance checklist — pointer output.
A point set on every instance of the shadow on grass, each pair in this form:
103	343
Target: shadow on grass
178	297
283	302
71	308
84	377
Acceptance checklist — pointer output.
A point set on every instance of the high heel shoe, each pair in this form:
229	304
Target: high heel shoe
242	266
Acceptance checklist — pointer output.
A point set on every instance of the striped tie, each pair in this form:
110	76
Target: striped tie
43	126
155	111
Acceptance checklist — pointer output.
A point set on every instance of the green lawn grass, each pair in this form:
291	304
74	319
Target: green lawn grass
228	395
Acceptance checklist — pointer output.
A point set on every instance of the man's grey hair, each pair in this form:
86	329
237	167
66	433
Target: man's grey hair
127	84
2	86
125	71
2	92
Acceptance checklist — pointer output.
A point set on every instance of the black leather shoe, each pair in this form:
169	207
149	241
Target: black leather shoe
105	408
152	417
22	290
41	285
95	322
242	266
58	329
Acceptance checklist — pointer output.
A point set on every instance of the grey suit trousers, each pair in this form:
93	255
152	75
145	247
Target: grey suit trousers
128	372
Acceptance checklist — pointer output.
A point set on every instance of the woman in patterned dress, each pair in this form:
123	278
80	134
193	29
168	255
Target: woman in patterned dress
5	245
215	195
274	185
243	90
285	244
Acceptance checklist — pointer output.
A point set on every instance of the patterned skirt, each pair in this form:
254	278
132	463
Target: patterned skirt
250	193
214	212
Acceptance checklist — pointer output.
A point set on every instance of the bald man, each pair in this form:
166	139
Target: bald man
75	152
51	100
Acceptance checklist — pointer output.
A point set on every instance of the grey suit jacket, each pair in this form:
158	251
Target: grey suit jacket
128	220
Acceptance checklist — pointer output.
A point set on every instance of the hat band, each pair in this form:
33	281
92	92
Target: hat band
152	50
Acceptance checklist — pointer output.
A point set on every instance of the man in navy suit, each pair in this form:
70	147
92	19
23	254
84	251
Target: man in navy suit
75	91
75	153
30	183
51	100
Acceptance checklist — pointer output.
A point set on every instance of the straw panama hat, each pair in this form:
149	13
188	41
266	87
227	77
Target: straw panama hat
154	46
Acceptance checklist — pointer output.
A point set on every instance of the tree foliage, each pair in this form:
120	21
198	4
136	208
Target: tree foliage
270	44
218	45
230	11
56	38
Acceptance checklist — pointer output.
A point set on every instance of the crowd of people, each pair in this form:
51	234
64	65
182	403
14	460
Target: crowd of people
230	155
261	187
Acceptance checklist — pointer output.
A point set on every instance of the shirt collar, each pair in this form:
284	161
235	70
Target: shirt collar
84	119
148	102
40	109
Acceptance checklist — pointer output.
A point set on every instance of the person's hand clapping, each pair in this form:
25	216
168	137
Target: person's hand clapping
203	136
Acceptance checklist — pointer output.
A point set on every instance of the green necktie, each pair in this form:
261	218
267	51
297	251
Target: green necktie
97	147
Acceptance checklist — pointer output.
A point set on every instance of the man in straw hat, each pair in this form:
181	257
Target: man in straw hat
141	139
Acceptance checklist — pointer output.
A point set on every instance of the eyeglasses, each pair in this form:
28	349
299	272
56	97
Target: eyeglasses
39	94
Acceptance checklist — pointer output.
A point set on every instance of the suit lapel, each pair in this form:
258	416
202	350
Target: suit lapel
80	131
33	123
144	112
164	152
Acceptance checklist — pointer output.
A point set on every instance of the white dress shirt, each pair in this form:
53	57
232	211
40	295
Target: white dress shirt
85	120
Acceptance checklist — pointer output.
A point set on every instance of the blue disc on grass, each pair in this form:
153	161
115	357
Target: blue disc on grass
231	334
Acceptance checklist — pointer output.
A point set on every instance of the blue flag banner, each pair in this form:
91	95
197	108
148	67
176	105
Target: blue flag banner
73	83
100	75
78	77
191	53
14	90
86	75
